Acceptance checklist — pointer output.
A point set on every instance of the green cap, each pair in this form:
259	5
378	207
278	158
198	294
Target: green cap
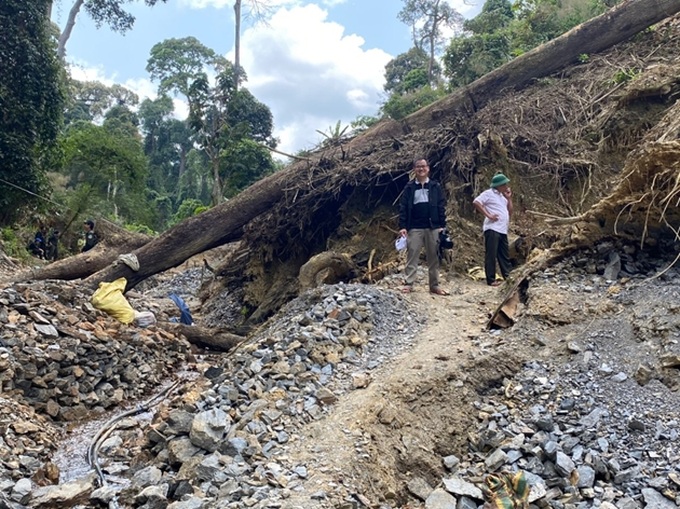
499	180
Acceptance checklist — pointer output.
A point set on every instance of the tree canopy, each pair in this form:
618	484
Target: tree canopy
31	99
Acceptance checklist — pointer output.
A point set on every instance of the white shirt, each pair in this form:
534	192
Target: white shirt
495	203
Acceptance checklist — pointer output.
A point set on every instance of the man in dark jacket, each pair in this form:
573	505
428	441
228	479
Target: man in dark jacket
90	236
422	215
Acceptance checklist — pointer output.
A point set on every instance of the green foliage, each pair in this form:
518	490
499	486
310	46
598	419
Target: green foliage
243	164
196	181
213	153
90	100
335	134
13	245
123	121
111	12
167	141
402	65
178	63
363	122
139	228
188	208
502	31
31	99
399	106
245	109
469	58
222	117
624	75
427	20
112	166
584	58
495	16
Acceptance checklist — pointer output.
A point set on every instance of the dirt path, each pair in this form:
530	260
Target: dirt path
413	412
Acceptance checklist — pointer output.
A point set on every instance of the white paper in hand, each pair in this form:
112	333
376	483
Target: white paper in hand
400	243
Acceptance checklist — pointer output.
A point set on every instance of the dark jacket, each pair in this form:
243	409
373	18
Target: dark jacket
436	201
90	241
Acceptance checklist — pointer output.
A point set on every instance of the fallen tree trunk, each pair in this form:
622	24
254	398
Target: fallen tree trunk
614	26
113	241
212	228
225	223
215	339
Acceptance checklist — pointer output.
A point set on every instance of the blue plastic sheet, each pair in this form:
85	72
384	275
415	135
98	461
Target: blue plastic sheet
185	314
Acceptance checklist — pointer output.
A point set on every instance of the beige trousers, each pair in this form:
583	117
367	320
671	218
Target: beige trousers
416	239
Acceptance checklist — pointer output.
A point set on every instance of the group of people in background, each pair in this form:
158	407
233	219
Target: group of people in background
422	218
45	245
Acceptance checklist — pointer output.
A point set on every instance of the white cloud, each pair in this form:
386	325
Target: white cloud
310	73
82	71
202	4
466	7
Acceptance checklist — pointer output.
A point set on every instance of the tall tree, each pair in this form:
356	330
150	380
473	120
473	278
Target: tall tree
208	118
400	67
259	9
176	64
228	123
109	162
31	100
220	115
181	66
109	12
427	19
90	100
167	142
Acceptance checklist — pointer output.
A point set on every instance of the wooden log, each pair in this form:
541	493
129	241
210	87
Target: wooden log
214	339
113	241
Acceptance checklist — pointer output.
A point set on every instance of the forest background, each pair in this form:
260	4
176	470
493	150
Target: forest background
71	150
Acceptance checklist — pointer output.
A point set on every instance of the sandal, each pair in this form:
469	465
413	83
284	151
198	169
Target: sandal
439	291
495	283
406	289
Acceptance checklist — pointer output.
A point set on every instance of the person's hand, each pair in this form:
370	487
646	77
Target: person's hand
507	193
403	232
493	217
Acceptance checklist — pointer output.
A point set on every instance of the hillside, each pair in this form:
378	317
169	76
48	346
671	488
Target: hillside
354	395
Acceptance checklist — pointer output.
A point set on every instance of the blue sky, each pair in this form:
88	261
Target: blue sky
314	63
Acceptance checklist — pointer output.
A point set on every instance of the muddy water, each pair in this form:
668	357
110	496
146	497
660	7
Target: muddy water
71	456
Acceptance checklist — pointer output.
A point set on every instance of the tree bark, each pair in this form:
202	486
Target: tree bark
212	228
215	339
614	26
113	241
70	23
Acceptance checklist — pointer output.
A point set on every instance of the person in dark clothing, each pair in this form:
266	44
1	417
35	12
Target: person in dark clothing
422	215
90	236
52	251
38	245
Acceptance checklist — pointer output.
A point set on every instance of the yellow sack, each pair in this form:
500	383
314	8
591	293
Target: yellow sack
109	298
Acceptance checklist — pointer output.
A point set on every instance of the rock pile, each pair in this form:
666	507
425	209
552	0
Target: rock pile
594	423
62	360
67	361
230	445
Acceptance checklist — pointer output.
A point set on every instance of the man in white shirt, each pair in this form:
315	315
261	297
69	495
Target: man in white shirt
496	205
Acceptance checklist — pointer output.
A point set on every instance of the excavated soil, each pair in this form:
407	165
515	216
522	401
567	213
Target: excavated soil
424	405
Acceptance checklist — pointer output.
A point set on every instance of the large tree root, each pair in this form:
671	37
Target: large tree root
644	204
